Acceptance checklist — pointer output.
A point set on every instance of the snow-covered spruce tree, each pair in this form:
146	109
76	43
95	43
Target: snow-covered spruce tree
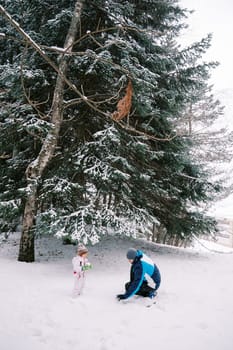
110	169
156	171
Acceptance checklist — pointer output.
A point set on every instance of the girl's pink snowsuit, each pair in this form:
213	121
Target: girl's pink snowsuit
79	274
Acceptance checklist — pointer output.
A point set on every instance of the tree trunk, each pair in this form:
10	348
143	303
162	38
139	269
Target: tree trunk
26	249
158	233
154	233
190	117
36	167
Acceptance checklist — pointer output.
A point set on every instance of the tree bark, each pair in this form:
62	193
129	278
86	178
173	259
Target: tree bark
36	168
190	117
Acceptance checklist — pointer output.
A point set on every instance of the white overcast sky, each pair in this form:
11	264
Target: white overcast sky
216	17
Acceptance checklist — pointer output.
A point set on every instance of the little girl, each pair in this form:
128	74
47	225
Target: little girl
80	265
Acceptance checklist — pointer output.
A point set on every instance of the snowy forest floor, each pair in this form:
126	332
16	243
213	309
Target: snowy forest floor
194	308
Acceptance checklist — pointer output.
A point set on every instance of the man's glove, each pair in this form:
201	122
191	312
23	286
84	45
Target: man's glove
121	297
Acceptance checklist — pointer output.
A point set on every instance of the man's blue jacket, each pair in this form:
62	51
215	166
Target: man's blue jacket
142	266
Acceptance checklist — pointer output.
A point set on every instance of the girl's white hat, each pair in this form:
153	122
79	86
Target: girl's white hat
82	249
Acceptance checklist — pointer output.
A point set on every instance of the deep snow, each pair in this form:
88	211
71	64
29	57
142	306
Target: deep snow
194	308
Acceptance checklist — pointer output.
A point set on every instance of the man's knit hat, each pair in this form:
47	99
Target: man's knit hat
82	249
131	254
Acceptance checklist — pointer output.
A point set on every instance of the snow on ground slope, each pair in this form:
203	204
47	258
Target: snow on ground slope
194	308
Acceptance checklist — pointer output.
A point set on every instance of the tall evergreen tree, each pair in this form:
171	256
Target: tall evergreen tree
118	163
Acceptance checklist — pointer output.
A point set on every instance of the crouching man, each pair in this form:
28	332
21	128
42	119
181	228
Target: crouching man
141	267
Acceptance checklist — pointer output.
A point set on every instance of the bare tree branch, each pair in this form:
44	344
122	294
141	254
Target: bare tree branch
141	133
